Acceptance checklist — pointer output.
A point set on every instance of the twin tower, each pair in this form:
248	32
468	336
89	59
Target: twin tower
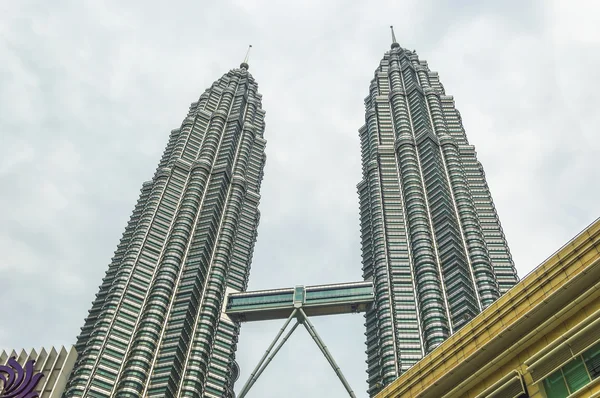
432	245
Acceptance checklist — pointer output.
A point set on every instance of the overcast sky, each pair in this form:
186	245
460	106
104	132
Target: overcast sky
89	91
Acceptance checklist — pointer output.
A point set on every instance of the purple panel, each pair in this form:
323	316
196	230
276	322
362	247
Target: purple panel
17	382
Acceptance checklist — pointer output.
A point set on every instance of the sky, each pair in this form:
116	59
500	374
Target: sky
90	90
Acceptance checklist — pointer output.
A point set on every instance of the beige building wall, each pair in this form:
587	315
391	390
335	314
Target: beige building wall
55	364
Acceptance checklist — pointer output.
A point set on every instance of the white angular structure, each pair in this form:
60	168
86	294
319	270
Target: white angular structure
55	364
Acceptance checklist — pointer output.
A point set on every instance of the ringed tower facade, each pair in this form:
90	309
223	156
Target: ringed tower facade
432	242
157	326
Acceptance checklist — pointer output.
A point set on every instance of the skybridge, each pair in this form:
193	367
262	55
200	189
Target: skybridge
300	302
262	305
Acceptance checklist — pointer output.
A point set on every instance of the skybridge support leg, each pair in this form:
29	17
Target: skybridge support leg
255	373
285	338
313	333
268	356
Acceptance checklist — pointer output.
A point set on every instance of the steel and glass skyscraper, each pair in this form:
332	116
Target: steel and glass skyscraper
431	240
433	250
156	327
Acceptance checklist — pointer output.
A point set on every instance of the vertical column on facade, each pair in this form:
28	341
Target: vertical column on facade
153	318
250	165
371	325
168	366
186	130
194	127
150	255
225	336
478	255
493	234
222	370
389	359
453	120
192	145
244	246
405	312
140	279
241	254
457	164
107	281
247	168
121	329
168	374
173	137
406	321
395	253
386	310
212	296
491	229
232	132
199	257
200	104
458	284
239	267
381	345
157	309
366	231
258	158
221	362
167	370
434	322
465	286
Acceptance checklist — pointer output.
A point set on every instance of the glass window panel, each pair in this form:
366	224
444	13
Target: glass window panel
555	386
575	374
261	299
592	360
299	294
344	292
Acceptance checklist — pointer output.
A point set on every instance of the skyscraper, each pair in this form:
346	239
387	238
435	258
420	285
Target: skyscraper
431	239
156	327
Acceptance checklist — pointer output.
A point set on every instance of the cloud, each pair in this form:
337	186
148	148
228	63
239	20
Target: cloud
90	92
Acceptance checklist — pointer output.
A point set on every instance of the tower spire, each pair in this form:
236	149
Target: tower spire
394	42
245	63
